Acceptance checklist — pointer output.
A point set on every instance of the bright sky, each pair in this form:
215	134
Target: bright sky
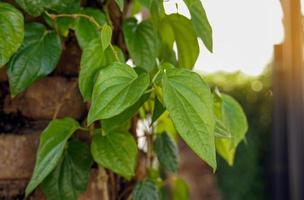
244	32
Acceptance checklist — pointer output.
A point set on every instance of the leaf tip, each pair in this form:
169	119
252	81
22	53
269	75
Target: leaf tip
209	46
28	191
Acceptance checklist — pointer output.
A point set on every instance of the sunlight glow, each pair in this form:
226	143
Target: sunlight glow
244	32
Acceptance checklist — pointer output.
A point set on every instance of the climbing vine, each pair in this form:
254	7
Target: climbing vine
137	111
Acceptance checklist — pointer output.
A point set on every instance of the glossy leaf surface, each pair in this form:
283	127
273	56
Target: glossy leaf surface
190	104
117	88
51	147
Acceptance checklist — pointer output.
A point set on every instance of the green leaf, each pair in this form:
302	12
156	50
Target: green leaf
225	150
51	147
86	31
157	11
221	131
178	28
189	101
117	88
33	32
34	8
145	190
180	190
158	110
156	8
11	31
120	3
106	36
200	22
71	176
165	124
142	43
234	118
64	6
116	151
94	59
37	7
136	8
116	121
166	152
164	193
36	58
146	3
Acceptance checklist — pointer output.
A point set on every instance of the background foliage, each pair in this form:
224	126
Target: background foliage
251	168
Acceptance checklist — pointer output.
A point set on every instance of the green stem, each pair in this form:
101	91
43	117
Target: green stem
84	129
150	90
106	10
155	76
75	16
91	19
115	53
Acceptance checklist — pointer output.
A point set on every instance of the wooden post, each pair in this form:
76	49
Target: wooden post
280	180
292	66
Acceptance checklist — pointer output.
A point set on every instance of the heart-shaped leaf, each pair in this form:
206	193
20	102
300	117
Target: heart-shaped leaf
234	119
94	59
116	151
178	28
36	58
51	147
200	22
142	42
117	88
190	104
71	176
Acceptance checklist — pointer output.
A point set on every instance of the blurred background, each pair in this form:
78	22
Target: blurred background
258	59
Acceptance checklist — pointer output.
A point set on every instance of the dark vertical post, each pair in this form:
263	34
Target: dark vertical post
280	180
292	63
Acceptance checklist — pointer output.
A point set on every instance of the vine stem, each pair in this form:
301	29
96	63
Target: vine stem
150	90
75	16
102	181
78	15
84	129
115	53
66	97
155	76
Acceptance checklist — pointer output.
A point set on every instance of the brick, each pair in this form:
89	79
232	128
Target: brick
40	100
17	161
14	189
17	155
